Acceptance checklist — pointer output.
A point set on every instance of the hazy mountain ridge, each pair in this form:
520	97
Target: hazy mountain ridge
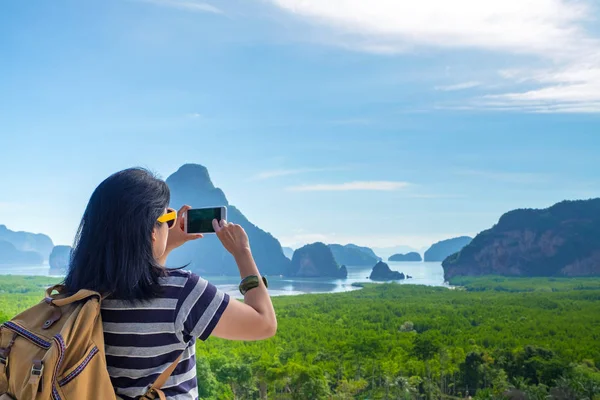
365	249
412	256
442	249
562	240
353	255
288	252
25	242
11	256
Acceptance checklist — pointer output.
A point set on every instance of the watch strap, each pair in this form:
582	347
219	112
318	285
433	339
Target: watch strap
251	282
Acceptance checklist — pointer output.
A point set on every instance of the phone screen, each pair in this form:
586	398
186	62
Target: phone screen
199	220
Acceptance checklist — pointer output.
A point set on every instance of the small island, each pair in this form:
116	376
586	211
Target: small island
316	261
382	272
412	256
353	255
59	260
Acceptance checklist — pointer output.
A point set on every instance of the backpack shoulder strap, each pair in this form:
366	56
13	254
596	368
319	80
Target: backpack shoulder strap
155	389
80	295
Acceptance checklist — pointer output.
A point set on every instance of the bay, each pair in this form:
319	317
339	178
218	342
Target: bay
423	273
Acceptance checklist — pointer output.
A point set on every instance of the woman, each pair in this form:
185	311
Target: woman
154	314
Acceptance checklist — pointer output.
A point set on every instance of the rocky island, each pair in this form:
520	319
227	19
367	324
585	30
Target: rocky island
364	249
440	250
563	240
382	272
412	256
316	261
59	260
386	252
353	255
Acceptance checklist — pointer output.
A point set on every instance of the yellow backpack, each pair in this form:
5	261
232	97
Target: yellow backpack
55	351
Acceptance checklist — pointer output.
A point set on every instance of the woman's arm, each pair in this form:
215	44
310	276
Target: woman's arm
254	319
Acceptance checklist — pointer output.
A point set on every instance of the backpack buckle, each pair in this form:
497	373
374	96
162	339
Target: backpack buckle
38	368
5	352
36	373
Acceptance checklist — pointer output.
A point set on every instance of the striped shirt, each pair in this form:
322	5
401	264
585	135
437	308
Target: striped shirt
143	339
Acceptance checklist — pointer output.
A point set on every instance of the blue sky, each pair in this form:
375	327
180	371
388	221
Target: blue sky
387	123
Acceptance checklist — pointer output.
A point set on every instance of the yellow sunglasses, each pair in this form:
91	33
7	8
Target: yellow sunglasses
170	217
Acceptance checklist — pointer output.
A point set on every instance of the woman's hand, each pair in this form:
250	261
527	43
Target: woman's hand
233	237
177	235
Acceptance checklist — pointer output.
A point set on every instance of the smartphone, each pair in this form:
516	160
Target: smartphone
199	220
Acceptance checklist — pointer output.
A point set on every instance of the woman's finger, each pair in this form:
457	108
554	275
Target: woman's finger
216	225
181	214
183	210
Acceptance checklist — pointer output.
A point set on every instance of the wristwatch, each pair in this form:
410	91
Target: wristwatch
250	282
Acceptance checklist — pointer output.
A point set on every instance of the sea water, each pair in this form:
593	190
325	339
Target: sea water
423	273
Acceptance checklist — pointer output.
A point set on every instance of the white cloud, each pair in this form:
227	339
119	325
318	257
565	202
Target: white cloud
573	88
527	26
553	31
351	186
194	115
458	86
188	5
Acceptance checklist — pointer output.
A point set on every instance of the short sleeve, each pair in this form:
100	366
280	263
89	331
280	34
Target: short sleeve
200	307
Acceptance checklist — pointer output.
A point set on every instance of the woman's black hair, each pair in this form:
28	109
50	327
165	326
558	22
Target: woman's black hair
112	252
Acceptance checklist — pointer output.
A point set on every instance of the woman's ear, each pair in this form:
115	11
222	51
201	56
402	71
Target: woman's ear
154	234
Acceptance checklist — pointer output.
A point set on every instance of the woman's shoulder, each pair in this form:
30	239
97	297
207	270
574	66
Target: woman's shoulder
179	277
179	273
